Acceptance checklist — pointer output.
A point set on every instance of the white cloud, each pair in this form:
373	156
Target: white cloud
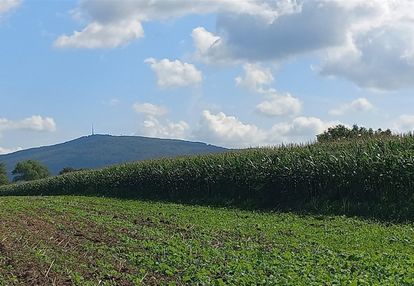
358	105
150	109
7	5
174	73
228	130
9	150
303	30
301	129
379	47
378	59
209	48
404	123
35	123
279	104
98	35
255	77
370	43
154	127
203	40
148	10
115	23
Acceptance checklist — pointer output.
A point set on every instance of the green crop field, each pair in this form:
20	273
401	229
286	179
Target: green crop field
336	213
101	241
371	178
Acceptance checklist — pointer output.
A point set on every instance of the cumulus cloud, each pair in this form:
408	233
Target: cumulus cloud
379	59
379	48
358	105
255	77
370	43
154	127
404	123
147	10
301	129
115	23
209	48
7	5
98	35
149	109
9	150
174	73
35	123
303	30
228	130
279	104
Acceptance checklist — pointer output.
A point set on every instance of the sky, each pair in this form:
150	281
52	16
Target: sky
234	73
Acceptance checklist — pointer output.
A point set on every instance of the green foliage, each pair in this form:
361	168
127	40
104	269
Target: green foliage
341	132
3	175
125	242
69	170
29	170
372	177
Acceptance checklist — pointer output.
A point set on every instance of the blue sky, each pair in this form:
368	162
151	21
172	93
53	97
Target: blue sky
231	73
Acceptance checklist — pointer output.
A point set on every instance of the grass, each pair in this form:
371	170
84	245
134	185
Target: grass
67	240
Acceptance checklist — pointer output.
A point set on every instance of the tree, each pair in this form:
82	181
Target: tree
341	132
29	170
3	175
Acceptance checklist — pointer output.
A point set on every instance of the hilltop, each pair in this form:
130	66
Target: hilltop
97	151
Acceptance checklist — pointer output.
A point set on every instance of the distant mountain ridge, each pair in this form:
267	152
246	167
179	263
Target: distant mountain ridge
97	151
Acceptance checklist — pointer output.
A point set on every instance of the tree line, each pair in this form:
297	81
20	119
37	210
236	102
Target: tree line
29	170
341	132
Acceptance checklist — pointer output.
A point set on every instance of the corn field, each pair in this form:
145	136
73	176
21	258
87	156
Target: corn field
367	177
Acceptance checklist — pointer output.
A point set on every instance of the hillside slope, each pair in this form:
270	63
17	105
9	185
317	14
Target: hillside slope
103	150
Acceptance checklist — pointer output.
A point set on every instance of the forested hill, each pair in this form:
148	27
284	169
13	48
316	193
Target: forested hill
102	150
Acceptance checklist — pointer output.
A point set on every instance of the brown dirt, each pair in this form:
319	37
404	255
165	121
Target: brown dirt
32	234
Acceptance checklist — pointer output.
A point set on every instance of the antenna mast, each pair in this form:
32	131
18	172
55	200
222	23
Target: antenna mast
93	130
